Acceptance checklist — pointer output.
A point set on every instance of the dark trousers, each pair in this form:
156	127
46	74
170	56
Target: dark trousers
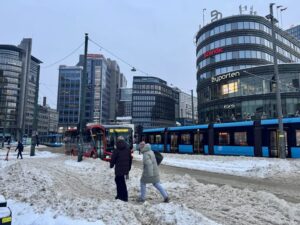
19	154
122	193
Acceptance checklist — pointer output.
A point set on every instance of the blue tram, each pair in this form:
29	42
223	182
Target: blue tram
245	138
51	140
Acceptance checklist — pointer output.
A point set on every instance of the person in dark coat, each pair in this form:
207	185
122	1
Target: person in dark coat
121	160
20	148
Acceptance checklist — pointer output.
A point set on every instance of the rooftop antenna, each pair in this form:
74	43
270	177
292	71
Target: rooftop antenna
203	17
242	9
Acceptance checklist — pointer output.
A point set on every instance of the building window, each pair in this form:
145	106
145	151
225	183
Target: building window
229	88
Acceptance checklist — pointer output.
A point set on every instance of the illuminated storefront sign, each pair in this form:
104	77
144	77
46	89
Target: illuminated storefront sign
224	77
213	52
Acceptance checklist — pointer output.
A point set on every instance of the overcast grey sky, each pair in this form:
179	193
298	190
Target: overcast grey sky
155	36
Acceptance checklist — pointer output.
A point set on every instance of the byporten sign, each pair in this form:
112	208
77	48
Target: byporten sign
225	76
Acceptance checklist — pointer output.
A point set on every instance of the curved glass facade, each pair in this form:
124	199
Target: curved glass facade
249	94
235	70
10	73
19	80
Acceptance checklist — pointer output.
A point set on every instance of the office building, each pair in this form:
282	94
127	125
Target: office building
19	83
154	103
235	75
103	82
185	109
294	31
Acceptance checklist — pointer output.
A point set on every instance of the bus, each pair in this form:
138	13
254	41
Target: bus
99	141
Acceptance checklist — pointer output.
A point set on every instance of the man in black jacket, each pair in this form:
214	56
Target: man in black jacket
121	160
20	148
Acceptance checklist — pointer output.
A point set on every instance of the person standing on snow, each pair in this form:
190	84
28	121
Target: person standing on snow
121	160
150	173
20	148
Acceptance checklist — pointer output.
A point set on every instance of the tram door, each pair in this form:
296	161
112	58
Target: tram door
174	143
274	145
198	143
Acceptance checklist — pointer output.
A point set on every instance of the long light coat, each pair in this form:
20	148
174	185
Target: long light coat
150	170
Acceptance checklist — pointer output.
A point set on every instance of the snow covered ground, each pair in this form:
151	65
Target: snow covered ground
239	166
54	189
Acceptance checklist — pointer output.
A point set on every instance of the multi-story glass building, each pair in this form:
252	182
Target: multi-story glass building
68	96
125	102
19	81
185	109
154	103
235	76
294	31
103	82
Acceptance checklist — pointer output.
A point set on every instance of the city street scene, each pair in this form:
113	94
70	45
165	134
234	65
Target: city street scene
150	112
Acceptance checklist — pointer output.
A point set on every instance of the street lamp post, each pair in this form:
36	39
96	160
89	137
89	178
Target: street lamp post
281	144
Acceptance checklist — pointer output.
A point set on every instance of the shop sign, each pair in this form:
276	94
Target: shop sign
213	52
224	77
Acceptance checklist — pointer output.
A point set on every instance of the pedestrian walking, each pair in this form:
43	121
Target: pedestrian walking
7	153
121	160
141	145
150	174
20	148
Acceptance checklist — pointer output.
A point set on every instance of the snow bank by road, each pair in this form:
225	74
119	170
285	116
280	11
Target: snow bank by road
240	166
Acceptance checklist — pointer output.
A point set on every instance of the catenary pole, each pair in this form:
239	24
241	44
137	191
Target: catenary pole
281	139
82	121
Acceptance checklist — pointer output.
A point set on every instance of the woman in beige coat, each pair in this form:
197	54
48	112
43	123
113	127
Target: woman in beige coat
150	173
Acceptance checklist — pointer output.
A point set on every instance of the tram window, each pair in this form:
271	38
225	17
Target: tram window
186	139
298	137
174	139
151	139
240	138
198	140
224	138
158	139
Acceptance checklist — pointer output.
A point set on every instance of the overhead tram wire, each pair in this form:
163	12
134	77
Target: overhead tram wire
67	56
133	68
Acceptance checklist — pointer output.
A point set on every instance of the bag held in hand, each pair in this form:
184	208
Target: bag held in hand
159	157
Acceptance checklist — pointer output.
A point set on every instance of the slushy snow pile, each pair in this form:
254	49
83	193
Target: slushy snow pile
54	189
